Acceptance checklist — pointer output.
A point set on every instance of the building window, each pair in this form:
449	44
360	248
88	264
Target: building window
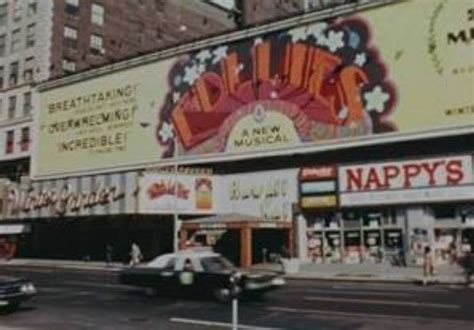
16	38
10	141
159	5
3	14
2	72
3	39
17	11
97	14
13	79
11	107
70	36
25	139
32	8
442	212
30	35
68	66
96	44
72	7
29	69
27	104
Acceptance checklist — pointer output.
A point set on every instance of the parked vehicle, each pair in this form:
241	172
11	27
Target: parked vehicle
13	291
199	273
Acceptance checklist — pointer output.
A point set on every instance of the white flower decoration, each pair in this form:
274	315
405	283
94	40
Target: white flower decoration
273	95
298	34
334	40
343	113
203	55
219	53
201	68
191	74
239	68
166	132
360	59
376	99
176	97
257	41
317	31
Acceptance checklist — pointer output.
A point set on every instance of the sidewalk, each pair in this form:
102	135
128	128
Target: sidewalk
447	274
63	264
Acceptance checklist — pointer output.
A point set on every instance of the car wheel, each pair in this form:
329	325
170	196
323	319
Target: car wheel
222	295
151	292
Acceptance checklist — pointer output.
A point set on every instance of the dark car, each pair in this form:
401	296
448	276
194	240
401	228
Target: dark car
13	291
197	273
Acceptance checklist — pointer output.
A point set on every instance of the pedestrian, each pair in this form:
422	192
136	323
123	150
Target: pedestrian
135	254
428	269
312	248
109	252
452	253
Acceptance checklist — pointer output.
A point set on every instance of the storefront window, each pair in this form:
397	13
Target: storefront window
352	245
351	219
332	246
331	220
372	219
467	241
315	247
444	211
393	240
445	246
373	246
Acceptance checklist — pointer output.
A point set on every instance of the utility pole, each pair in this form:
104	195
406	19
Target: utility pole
234	292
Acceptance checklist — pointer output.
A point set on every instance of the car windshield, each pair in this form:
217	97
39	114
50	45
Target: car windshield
217	264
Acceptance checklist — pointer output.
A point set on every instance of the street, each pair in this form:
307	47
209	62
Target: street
79	299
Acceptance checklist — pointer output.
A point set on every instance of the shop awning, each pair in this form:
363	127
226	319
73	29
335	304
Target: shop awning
232	221
14	229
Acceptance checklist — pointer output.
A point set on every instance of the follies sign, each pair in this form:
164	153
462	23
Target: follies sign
310	84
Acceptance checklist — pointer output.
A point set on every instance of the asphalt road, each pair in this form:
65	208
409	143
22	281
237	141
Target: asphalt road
72	299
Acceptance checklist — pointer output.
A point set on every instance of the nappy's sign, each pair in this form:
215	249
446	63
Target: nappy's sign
434	179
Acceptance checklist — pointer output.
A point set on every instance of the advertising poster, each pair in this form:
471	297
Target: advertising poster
353	76
182	193
267	195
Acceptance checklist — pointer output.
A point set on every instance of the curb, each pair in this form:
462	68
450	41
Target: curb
294	277
374	280
64	266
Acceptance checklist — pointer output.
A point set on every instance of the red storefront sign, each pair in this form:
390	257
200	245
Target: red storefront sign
412	181
446	171
317	172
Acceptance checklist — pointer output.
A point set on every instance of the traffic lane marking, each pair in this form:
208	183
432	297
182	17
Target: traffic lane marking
390	288
383	302
359	293
392	317
217	324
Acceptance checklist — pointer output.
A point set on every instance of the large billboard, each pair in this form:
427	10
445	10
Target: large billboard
330	80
